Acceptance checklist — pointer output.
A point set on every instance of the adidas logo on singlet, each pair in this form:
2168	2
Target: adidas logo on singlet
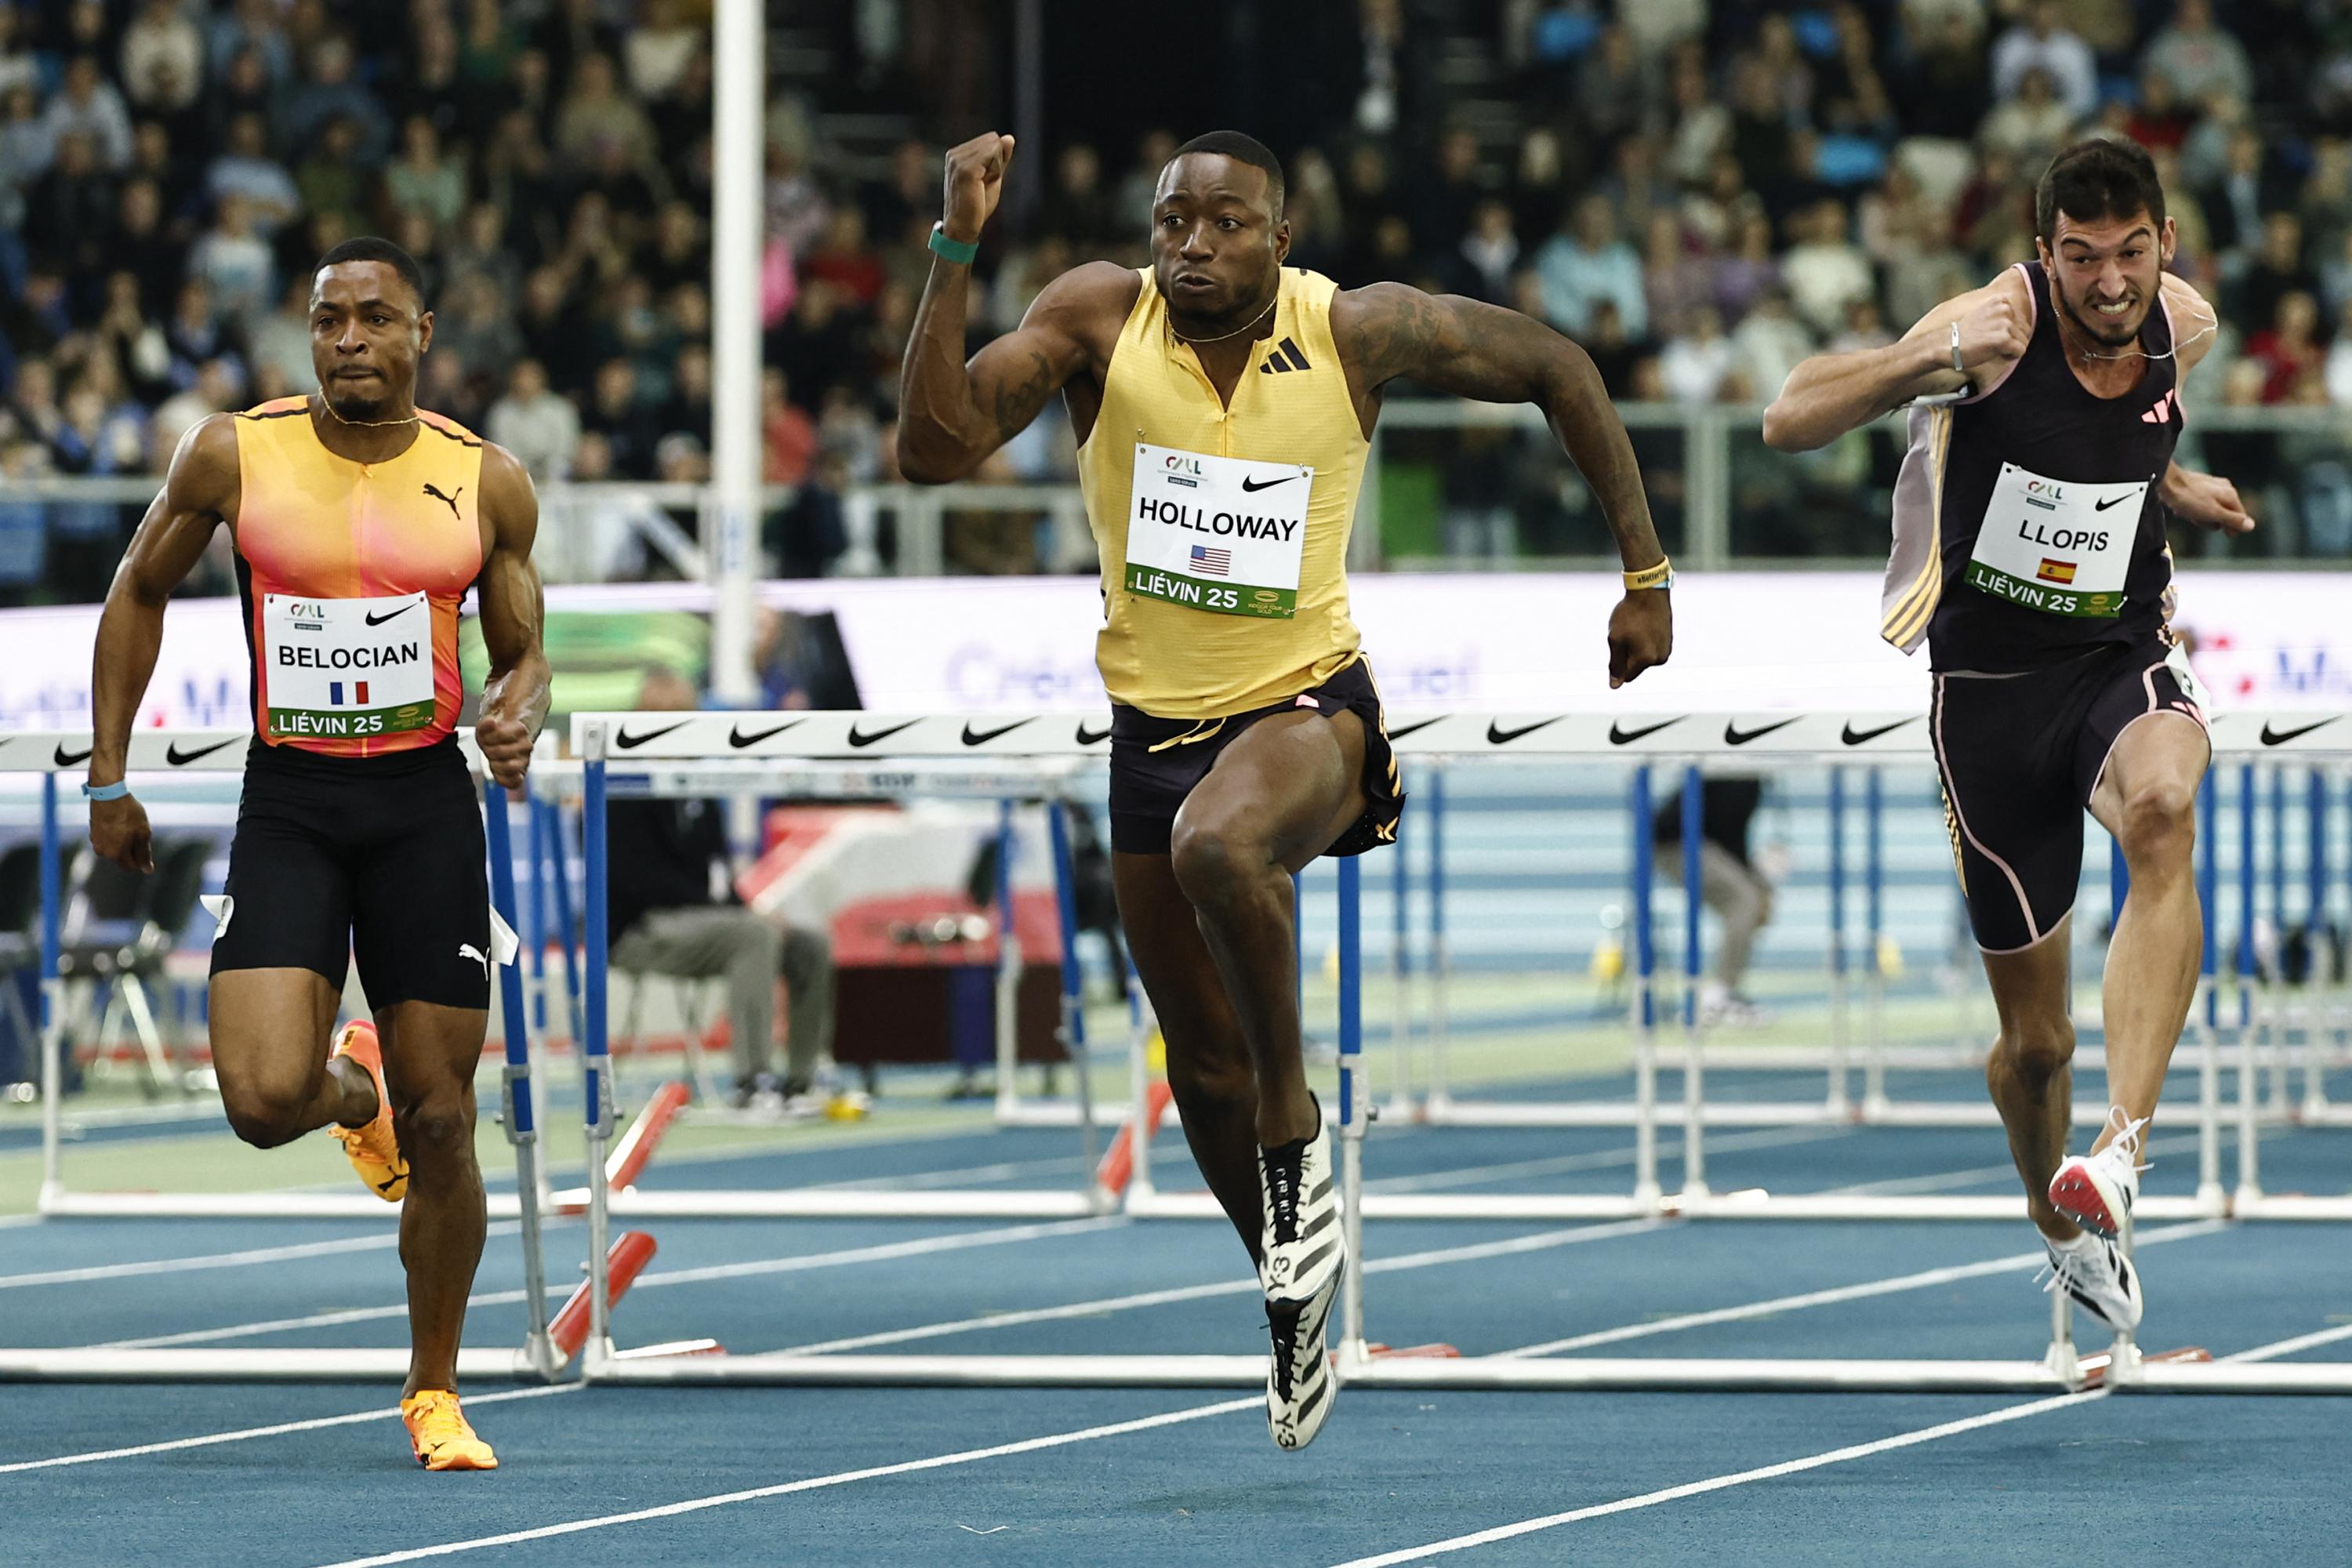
2161	413
1285	357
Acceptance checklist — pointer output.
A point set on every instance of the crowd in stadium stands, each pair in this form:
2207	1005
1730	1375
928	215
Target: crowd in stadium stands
1699	194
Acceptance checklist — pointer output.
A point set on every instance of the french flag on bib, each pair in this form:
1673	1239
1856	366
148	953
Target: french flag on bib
335	694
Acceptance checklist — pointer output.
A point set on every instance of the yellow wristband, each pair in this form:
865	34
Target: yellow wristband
1662	575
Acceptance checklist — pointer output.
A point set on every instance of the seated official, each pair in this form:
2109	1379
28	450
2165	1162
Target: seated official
672	908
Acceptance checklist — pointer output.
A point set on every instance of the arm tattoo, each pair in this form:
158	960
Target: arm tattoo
1452	346
1019	401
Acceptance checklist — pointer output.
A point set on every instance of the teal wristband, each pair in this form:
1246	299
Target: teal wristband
114	791
960	251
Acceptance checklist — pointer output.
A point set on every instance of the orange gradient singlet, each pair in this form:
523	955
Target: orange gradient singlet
350	576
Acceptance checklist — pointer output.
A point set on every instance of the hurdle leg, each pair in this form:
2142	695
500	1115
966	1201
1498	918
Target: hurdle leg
1835	1104
597	1103
1401	974
1694	1055
2204	1008
521	1125
2249	1179
1646	1190
2060	1358
1073	1013
1354	1112
1874	1072
2123	1360
1008	974
53	1000
1441	963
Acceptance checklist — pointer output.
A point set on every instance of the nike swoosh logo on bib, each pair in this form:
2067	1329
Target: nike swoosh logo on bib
2111	500
375	620
1256	485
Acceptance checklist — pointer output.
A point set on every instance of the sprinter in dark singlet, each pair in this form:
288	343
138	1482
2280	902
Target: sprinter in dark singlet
2030	555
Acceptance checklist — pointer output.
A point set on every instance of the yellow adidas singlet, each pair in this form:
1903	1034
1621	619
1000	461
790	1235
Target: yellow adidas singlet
1224	531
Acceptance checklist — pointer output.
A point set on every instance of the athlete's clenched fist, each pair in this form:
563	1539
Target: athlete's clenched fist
975	184
1993	337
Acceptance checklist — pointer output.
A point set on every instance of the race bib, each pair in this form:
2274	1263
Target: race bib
1220	534
2060	546
341	668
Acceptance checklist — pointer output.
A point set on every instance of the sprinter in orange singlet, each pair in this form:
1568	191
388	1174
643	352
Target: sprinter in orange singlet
360	521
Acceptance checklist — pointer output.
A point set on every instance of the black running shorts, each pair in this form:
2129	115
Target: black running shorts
378	856
2021	755
1155	763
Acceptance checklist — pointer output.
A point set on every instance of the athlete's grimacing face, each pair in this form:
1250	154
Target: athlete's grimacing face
1217	243
2109	274
367	332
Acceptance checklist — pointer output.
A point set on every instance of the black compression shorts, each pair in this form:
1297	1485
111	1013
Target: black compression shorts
378	856
1156	762
2021	756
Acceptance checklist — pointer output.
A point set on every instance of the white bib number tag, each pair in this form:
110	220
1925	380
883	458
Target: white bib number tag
1220	534
346	668
2060	546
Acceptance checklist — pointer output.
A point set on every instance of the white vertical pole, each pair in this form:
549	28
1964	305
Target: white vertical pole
738	152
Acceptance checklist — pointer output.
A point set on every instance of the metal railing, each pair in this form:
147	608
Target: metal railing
1450	485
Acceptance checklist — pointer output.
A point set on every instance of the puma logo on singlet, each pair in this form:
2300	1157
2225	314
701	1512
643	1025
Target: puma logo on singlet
468	950
434	490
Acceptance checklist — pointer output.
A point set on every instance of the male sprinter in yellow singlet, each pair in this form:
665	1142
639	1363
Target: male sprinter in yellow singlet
359	522
2030	556
1224	404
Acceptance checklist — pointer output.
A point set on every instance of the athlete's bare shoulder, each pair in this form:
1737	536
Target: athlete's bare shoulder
509	501
1089	302
204	476
2194	321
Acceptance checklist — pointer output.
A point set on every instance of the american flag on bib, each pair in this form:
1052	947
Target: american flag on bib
1215	563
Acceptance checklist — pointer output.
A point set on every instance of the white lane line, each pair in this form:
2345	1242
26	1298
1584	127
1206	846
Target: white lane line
1720	1483
813	1483
2290	1347
384	1242
796	1263
1598	1160
1925	1279
385	1412
1244	1287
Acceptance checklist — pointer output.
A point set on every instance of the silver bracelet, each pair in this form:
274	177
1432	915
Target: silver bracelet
1958	368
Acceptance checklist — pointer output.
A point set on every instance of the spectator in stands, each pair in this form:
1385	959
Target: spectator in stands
422	179
331	179
2041	40
2289	352
334	93
1946	87
2031	125
18	65
280	342
2278	271
2157	121
787	435
1540	188
70	211
1131	200
673	909
1769	341
90	106
2337	372
1590	262
1696	365
1701	124
622	418
540	427
162	63
2197	59
1489	254
234	263
688	409
1676	281
1751	270
1076	207
1612	87
247	171
1445	197
845	259
1825	271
